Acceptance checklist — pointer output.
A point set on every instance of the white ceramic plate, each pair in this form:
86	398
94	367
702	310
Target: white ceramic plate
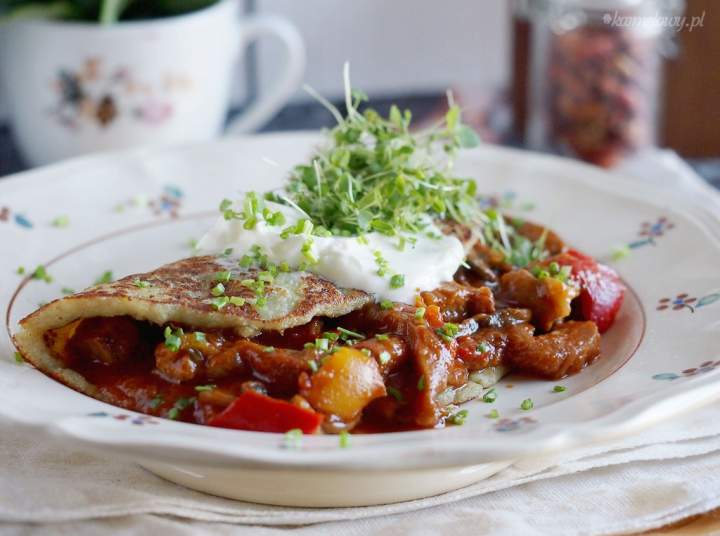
132	212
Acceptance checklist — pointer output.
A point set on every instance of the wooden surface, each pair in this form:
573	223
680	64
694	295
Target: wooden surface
692	85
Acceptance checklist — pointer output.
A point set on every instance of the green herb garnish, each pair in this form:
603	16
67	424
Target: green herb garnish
490	396
173	338
559	389
421	384
396	394
494	414
293	438
60	221
350	334
344	437
205	388
41	274
459	417
527	404
139	283
386	305
106	277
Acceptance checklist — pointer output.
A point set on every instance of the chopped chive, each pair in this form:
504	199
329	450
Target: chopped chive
61	221
313	365
419	313
19	357
237	300
67	291
421	384
205	388
490	396
396	394
344	438
20	270
199	336
382	336
397	281
293	438
218	290
322	344
173	340
223	277
483	348
559	389
156	401
459	417
494	414
227	252
219	302
386	304
527	404
139	283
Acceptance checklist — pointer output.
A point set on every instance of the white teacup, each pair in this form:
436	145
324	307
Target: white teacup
73	88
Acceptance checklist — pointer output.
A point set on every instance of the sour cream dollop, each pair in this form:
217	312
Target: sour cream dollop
345	260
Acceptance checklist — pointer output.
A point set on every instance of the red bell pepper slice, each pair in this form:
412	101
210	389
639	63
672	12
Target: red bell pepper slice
260	413
601	290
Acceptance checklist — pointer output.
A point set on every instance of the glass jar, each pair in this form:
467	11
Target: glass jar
595	75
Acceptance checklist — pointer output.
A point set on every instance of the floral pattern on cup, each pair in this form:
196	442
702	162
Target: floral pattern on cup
95	94
685	301
703	368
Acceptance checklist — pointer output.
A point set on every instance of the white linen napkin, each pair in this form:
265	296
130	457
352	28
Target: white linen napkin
648	480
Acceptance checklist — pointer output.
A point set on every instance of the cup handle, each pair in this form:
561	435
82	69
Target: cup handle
258	113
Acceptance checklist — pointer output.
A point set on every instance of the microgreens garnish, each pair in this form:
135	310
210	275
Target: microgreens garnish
347	334
527	404
377	176
41	274
173	338
106	277
517	250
